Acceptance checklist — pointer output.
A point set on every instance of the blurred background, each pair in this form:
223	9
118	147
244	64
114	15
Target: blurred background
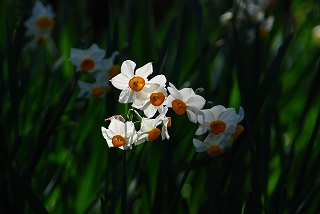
261	55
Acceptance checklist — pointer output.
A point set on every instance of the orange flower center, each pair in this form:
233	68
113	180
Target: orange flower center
157	98
239	130
169	122
114	70
179	107
44	22
263	33
118	140
41	41
87	64
97	92
214	151
153	134
217	126
137	83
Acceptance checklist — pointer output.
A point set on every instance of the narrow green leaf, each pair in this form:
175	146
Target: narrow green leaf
166	44
271	76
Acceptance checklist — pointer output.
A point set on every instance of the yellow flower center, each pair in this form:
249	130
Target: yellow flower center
137	83
114	70
169	122
157	98
239	130
214	151
217	126
118	140
87	64
97	92
179	107
153	134
41	41
44	22
263	33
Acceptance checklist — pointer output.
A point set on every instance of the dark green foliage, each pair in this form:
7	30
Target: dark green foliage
54	159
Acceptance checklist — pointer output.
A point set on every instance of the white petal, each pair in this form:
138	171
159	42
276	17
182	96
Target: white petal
241	114
159	79
120	81
192	114
104	132
186	93
205	115
201	146
196	101
145	70
126	96
150	111
117	127
175	93
127	68
203	128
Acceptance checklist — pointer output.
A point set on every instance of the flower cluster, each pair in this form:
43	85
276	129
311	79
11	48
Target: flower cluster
154	97
254	12
221	123
39	25
92	61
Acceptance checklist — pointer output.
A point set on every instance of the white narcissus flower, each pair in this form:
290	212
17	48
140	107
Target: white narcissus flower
149	130
120	134
156	99
185	100
37	41
88	60
266	26
213	144
41	22
218	119
134	84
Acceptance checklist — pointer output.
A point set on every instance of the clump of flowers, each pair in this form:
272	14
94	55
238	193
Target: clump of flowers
91	61
40	25
153	98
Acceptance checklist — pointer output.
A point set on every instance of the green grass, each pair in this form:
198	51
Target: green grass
54	159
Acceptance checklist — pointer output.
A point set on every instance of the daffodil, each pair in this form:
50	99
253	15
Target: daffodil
150	130
185	100
213	144
156	99
88	60
218	120
41	22
134	84
37	42
120	134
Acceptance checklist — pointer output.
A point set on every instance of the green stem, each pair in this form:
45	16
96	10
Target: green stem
124	183
183	180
